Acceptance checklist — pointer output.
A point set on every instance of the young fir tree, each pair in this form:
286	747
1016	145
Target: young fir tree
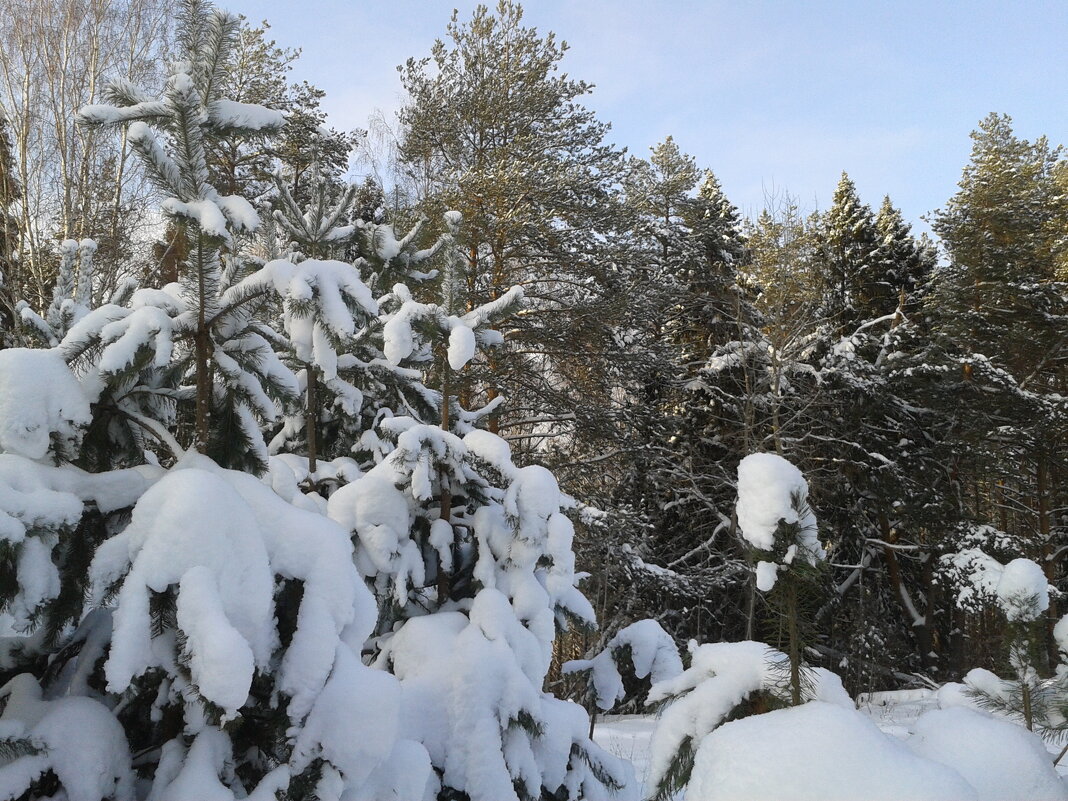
775	519
854	287
1034	695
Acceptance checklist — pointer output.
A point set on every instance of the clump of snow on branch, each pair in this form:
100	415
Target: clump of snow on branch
1020	588
1023	591
92	766
774	516
652	655
40	401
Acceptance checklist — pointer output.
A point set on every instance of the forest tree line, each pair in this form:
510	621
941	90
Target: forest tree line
918	384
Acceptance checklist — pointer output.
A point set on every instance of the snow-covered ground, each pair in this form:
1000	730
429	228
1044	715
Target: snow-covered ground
895	712
627	736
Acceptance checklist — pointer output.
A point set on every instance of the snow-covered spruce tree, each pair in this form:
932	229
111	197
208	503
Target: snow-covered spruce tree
470	558
906	261
888	496
852	276
830	381
228	354
347	382
775	519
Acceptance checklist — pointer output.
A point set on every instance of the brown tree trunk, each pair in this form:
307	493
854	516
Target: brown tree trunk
921	626
1048	566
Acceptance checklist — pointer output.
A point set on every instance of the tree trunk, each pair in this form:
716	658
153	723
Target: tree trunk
311	420
795	643
203	353
920	624
1048	566
444	582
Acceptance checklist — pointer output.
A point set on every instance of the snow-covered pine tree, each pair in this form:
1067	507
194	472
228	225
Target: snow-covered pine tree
347	381
996	309
777	522
71	296
122	349
471	560
1032	694
724	681
235	371
221	639
495	130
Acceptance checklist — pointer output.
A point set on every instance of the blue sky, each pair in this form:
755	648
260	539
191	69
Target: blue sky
770	95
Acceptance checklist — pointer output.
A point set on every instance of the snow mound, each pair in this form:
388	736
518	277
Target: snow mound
816	751
720	677
1002	761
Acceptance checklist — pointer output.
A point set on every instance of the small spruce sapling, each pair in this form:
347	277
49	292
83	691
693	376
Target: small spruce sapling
776	521
1033	696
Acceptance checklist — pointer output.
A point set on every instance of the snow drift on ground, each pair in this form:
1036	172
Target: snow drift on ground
816	751
1000	760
